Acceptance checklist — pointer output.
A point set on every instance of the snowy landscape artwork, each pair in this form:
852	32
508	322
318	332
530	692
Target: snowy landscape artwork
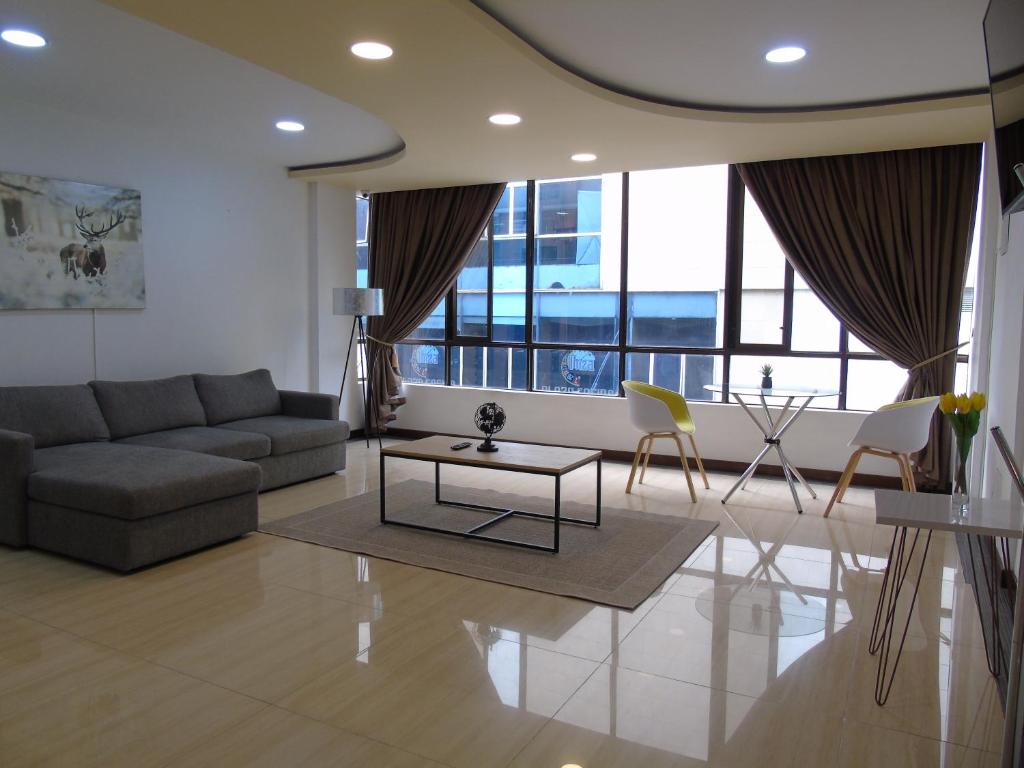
68	245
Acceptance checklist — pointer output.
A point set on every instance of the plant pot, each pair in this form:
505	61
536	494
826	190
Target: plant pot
766	382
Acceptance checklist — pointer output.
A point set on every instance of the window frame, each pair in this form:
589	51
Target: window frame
732	344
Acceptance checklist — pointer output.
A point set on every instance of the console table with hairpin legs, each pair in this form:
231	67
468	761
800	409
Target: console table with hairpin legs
927	513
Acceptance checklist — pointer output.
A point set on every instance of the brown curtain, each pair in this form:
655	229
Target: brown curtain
419	242
882	239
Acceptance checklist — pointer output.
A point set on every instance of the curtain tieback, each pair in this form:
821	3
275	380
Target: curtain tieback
939	356
375	340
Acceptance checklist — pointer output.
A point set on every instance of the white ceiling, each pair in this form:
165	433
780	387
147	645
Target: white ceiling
109	65
222	71
696	52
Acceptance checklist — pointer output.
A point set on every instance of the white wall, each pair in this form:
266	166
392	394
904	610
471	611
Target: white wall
817	440
333	264
1006	362
227	243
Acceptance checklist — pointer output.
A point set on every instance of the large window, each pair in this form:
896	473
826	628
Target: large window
362	241
672	277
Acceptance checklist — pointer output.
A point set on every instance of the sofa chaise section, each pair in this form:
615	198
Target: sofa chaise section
64	487
32	418
125	506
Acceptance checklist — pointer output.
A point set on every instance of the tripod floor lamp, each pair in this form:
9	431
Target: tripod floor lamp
360	303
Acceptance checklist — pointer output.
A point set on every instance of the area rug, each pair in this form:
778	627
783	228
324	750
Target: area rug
619	564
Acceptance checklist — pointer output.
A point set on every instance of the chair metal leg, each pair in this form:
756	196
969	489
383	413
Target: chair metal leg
700	464
636	460
647	459
686	468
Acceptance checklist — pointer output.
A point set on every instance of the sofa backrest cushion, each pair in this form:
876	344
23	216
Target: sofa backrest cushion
138	407
242	396
53	415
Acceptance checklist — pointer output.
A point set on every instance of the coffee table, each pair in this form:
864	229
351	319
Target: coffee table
547	460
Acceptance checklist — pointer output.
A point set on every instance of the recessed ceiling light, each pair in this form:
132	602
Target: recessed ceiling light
291	126
583	157
368	49
23	38
785	55
505	118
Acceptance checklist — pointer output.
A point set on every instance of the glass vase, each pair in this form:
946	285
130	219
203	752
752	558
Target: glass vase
961	480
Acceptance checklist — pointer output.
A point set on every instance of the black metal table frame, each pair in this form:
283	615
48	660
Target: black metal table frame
503	513
883	628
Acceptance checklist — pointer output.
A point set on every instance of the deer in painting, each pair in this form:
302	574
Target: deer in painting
91	258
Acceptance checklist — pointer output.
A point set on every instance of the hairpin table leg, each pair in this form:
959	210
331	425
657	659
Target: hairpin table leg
882	629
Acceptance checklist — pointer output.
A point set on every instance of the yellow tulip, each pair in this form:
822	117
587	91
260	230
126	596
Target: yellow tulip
947	403
963	404
978	401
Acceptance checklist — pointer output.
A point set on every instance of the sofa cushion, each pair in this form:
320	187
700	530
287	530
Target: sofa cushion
53	415
289	434
242	396
136	407
131	482
229	443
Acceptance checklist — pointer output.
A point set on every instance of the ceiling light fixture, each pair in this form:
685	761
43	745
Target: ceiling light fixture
290	126
368	49
23	38
505	118
583	157
785	55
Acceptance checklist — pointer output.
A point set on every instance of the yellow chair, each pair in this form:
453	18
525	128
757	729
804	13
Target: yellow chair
894	432
659	412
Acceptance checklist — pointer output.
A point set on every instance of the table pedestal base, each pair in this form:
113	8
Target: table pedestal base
773	433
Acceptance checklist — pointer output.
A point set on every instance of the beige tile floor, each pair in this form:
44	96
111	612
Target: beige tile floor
271	652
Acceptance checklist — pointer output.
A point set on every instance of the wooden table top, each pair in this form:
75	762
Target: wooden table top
541	459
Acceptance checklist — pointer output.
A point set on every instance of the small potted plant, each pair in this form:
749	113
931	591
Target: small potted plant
766	376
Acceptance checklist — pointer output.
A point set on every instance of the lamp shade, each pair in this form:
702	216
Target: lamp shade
368	302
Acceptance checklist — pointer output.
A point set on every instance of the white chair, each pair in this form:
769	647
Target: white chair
893	432
659	412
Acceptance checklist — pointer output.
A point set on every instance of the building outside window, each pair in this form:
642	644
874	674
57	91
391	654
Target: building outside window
362	241
629	276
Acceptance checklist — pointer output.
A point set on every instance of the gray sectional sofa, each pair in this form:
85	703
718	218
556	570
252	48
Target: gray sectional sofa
128	473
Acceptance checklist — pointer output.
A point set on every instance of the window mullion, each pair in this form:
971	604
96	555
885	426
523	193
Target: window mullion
733	273
490	273
531	232
844	365
623	286
787	308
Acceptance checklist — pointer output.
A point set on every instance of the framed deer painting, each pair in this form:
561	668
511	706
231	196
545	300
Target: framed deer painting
68	245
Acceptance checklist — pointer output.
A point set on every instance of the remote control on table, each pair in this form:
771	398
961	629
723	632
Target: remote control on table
460	446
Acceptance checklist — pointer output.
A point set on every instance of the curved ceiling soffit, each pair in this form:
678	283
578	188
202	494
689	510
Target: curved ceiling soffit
369	162
652	101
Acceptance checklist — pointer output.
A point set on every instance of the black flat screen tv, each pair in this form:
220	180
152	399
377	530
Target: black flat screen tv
1004	47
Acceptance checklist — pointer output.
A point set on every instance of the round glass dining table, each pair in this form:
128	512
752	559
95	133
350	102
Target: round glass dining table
773	427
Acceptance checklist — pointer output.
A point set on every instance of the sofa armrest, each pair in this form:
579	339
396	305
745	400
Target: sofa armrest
309	405
16	449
